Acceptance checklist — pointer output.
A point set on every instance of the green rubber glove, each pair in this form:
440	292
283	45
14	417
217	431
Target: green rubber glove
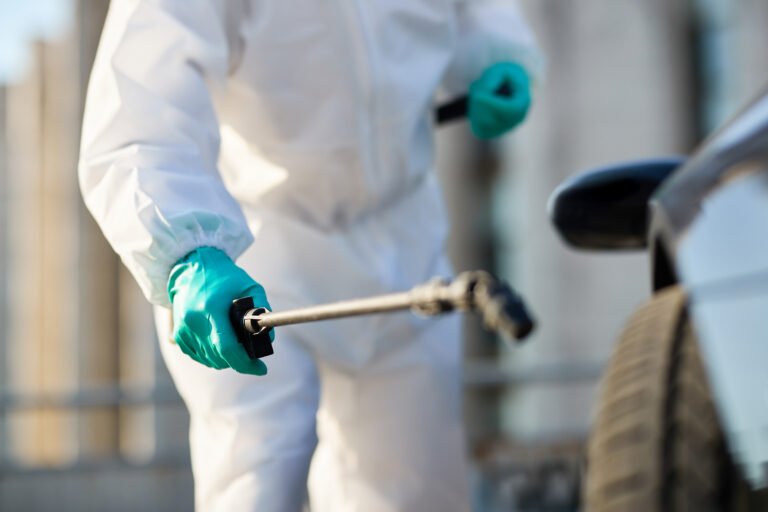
202	286
492	112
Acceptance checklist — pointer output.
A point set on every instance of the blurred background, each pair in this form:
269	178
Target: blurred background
89	419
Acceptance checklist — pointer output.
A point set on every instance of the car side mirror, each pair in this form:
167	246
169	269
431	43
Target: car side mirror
607	208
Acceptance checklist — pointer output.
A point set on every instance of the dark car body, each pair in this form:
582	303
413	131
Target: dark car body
704	221
708	230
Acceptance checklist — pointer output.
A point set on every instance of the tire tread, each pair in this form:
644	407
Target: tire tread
656	443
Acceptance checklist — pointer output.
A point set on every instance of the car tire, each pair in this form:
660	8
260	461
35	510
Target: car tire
656	444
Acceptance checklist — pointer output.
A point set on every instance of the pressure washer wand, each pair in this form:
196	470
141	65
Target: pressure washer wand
501	309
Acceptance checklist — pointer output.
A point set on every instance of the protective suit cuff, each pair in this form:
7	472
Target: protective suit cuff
156	289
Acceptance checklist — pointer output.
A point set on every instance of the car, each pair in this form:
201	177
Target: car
682	418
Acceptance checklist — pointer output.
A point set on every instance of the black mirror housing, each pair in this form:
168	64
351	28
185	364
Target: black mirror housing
607	208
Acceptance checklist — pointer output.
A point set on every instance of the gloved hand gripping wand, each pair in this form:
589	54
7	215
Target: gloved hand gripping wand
501	309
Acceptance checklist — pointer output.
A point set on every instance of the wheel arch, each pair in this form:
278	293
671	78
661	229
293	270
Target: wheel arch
663	272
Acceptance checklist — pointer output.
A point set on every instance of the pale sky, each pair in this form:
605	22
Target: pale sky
24	21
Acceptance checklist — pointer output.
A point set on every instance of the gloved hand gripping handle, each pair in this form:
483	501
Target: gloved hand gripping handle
501	309
459	108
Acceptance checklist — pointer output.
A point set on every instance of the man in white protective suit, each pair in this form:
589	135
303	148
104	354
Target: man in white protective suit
294	137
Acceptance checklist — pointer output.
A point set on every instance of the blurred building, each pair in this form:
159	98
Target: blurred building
89	419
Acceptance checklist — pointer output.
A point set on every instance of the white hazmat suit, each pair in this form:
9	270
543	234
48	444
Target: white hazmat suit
296	136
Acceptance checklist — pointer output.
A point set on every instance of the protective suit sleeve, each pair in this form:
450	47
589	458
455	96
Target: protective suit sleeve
148	160
489	32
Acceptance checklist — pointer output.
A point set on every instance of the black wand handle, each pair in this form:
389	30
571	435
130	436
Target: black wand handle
452	111
256	341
